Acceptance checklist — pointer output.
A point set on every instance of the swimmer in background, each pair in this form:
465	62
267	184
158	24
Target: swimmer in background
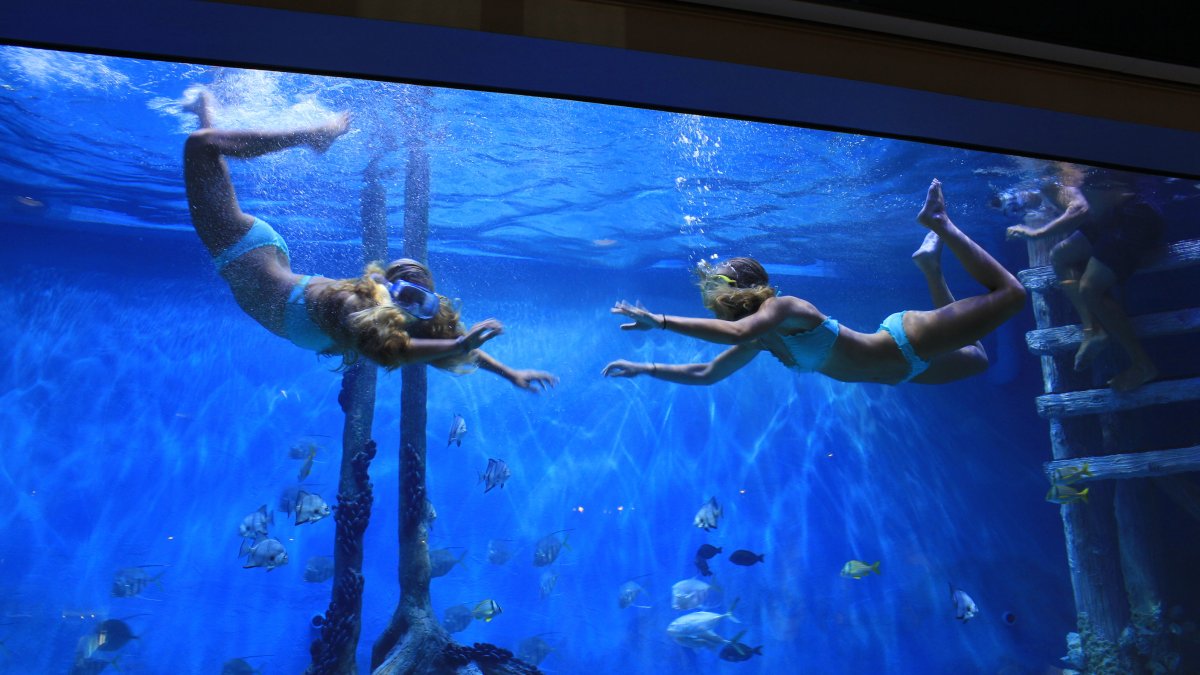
1109	230
390	315
926	347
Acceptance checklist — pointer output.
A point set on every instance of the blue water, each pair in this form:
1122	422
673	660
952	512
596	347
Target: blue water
143	415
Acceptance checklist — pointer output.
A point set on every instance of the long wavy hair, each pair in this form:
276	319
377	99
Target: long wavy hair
744	296
370	325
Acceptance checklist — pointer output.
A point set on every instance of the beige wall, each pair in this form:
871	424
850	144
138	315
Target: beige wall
683	29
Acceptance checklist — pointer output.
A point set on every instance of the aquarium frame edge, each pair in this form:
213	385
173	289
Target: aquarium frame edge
245	36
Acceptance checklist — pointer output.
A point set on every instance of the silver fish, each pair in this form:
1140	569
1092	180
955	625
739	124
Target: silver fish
546	583
128	582
430	515
627	594
458	429
548	547
499	551
964	606
268	553
310	508
689	594
695	630
318	568
708	515
441	561
457	618
256	523
496	474
254	528
533	650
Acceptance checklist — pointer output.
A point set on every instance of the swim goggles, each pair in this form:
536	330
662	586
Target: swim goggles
418	301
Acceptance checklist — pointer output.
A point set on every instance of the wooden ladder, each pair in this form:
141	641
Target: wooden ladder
1108	551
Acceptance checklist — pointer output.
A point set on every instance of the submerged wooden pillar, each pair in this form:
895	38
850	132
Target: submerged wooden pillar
414	639
334	653
1089	528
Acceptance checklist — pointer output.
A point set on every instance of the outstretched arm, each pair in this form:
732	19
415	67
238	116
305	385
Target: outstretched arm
772	312
529	380
1074	206
727	363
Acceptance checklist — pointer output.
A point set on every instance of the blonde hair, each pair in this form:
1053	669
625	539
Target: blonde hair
740	300
731	303
369	325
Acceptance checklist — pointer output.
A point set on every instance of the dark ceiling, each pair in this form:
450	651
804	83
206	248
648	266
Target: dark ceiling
1155	30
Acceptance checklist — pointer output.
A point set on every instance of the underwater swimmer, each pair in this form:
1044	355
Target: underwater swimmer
927	347
390	315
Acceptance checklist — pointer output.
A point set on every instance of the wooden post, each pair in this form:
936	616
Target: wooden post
335	651
1088	528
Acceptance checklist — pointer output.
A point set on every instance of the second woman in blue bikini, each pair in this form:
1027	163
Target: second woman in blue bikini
927	347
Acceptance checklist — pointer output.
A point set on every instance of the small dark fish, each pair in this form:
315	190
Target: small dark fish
702	565
458	429
318	568
533	650
548	547
707	551
113	634
737	651
497	473
129	582
499	551
441	561
745	558
457	618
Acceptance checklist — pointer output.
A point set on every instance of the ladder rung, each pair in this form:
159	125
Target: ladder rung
1096	401
1179	254
1049	341
1130	465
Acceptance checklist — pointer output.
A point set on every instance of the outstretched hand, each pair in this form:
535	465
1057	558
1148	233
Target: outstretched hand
624	368
1019	232
533	381
481	333
643	319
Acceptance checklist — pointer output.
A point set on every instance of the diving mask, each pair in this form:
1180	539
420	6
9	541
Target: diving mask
1016	203
418	301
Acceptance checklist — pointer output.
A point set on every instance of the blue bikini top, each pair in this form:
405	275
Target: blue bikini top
810	349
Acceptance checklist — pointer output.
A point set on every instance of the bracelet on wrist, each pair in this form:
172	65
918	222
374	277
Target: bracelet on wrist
663	325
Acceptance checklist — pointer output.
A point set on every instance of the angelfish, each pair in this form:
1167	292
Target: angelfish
708	515
310	508
964	606
268	553
458	429
496	474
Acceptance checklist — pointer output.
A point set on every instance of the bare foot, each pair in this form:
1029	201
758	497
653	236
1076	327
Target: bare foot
1133	377
324	135
1094	342
928	257
201	107
933	214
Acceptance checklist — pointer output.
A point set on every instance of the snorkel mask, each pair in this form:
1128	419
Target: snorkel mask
1016	203
418	301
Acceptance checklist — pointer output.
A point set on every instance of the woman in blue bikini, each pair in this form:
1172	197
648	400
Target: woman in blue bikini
389	315
927	347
